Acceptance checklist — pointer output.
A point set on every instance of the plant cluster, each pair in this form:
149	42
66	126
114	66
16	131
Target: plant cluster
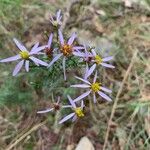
63	50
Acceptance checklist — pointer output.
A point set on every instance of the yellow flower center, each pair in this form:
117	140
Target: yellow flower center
79	112
98	59
55	23
95	87
24	55
66	49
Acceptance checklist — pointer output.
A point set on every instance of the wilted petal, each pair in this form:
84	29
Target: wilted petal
94	98
107	58
45	111
82	96
91	70
105	89
71	101
80	86
38	61
72	38
50	40
54	60
13	58
61	38
95	77
19	45
86	81
18	67
27	65
107	65
104	96
58	100
66	118
64	67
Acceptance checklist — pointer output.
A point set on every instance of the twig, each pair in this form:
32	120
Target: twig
25	135
117	98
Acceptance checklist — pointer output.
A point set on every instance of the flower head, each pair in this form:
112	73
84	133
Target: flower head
94	88
55	107
98	60
56	21
66	49
77	111
25	57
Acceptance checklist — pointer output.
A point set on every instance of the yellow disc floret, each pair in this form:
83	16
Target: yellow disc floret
79	112
66	49
98	59
95	87
24	55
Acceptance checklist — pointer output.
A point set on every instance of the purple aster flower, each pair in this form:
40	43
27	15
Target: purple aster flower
56	106
66	49
98	60
56	21
93	88
25	57
77	111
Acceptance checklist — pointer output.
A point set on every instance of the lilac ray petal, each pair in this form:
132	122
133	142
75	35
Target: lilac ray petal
61	38
82	96
86	71
107	58
78	48
64	67
58	15
86	81
94	98
50	40
93	52
58	100
107	65
54	60
19	45
18	67
38	61
104	96
79	54
91	70
95	77
74	118
71	101
45	111
105	89
80	86
34	47
27	65
82	105
72	38
38	49
66	118
67	106
13	58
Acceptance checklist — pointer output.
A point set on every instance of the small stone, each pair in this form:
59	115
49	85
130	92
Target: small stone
85	144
